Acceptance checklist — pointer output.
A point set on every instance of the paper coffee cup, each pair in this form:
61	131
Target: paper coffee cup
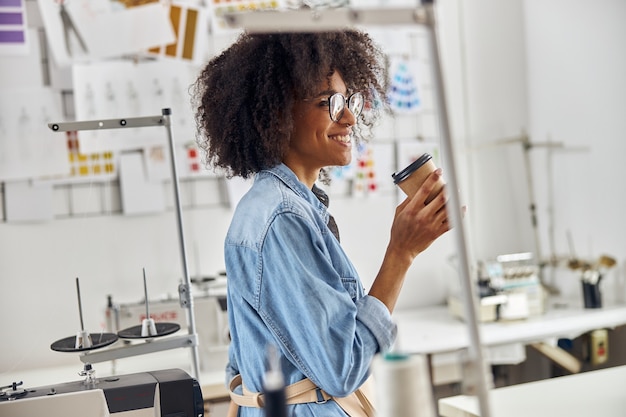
411	178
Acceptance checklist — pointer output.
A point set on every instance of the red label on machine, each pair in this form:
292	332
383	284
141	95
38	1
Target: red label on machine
171	315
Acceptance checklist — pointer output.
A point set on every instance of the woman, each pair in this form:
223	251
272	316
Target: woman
281	108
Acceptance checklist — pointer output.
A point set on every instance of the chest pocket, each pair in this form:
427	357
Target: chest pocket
351	285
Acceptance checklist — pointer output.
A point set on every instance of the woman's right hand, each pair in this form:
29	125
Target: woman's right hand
417	225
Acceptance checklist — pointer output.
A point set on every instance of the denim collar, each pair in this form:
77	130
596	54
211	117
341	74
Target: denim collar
289	178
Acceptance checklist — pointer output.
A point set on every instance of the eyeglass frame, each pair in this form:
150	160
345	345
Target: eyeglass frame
346	102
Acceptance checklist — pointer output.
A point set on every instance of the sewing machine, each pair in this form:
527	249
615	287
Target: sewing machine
170	392
509	289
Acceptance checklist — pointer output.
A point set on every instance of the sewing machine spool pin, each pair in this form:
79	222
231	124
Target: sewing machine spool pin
83	339
148	328
147	325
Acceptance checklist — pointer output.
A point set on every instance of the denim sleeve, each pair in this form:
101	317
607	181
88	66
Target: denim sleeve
231	367
375	316
306	297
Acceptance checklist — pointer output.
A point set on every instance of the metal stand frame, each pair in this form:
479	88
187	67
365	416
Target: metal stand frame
184	289
424	14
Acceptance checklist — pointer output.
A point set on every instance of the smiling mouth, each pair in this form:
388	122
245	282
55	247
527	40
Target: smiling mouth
342	139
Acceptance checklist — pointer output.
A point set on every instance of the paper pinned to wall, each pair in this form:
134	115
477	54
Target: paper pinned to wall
139	194
404	94
28	149
82	30
124	89
368	174
372	167
190	24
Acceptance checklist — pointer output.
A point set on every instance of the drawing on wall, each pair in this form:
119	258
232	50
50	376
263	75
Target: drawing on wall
28	149
125	89
74	29
14	37
403	94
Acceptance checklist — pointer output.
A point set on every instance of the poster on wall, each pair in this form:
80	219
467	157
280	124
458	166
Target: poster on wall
87	30
28	149
14	36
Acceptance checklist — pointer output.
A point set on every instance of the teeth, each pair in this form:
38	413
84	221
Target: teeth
344	139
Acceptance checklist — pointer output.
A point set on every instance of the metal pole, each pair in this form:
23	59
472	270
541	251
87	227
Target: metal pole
80	306
475	357
184	289
145	291
181	237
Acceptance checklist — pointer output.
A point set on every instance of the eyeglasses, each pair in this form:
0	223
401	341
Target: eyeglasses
337	105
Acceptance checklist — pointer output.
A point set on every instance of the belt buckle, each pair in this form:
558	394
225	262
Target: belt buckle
320	396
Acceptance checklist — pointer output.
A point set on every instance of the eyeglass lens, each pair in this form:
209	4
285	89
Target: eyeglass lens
337	104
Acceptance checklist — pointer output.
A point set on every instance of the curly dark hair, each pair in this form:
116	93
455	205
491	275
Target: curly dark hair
243	98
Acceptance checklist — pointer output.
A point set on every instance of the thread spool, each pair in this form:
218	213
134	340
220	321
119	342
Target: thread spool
402	386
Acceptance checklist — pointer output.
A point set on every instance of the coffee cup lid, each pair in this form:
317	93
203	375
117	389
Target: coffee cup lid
400	176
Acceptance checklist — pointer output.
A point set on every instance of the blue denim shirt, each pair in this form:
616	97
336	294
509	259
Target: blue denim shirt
291	285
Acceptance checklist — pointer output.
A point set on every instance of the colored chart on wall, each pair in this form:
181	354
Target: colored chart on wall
190	27
13	28
365	179
368	173
93	166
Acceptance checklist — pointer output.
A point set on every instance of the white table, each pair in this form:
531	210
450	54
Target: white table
595	393
433	330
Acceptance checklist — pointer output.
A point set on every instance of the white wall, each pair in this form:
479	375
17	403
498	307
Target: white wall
552	69
496	108
577	96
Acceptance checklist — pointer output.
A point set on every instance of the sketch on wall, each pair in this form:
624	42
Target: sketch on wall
28	149
124	89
